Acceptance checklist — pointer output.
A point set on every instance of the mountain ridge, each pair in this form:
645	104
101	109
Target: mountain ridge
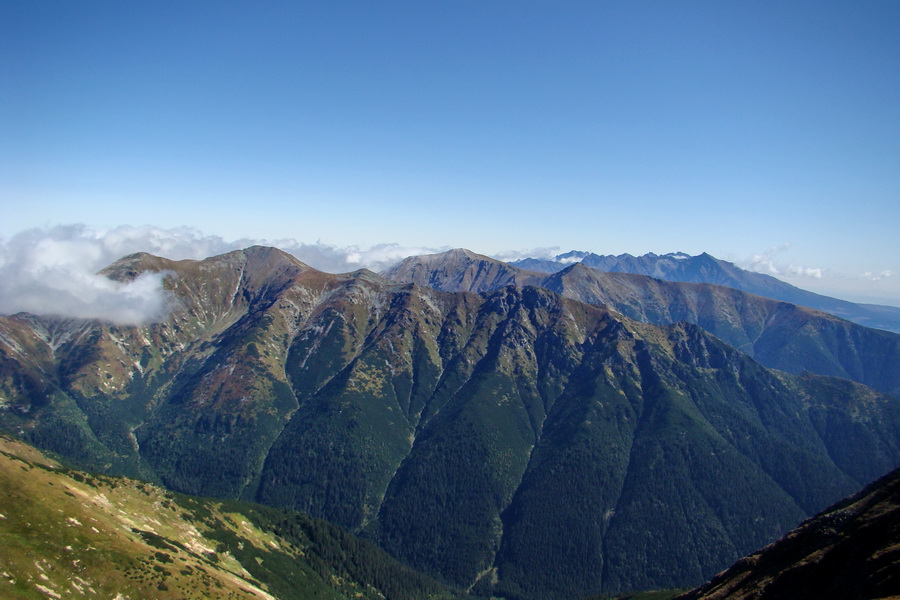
781	335
705	268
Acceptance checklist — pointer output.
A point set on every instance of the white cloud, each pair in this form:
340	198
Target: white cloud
815	273
335	259
877	276
54	272
871	286
569	260
541	253
764	262
767	262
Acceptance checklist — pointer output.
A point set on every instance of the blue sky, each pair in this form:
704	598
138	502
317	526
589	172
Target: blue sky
767	133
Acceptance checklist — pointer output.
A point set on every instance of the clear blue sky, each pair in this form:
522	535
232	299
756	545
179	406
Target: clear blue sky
727	127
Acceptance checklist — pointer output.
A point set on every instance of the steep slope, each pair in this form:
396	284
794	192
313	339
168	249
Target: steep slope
652	456
72	534
515	441
105	383
705	268
778	334
850	552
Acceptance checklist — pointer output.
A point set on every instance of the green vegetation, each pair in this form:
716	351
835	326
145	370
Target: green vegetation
67	533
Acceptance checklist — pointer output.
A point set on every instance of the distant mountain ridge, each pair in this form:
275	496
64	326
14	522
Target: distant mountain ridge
704	268
780	335
512	441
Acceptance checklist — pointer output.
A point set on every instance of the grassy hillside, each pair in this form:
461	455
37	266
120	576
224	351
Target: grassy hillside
69	534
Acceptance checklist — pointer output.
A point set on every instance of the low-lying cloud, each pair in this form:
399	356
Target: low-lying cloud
54	271
766	262
542	253
871	287
343	259
877	276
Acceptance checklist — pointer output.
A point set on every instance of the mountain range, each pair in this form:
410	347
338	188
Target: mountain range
779	335
704	268
510	440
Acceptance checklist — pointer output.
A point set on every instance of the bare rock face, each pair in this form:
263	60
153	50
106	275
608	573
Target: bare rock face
850	551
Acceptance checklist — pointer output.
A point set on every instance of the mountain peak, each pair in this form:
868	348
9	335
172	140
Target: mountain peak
576	267
458	270
450	259
262	256
366	275
131	265
457	254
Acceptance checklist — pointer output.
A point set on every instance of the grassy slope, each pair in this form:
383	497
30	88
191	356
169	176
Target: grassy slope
66	534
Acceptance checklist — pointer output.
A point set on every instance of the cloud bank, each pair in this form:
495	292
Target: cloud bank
542	253
53	272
